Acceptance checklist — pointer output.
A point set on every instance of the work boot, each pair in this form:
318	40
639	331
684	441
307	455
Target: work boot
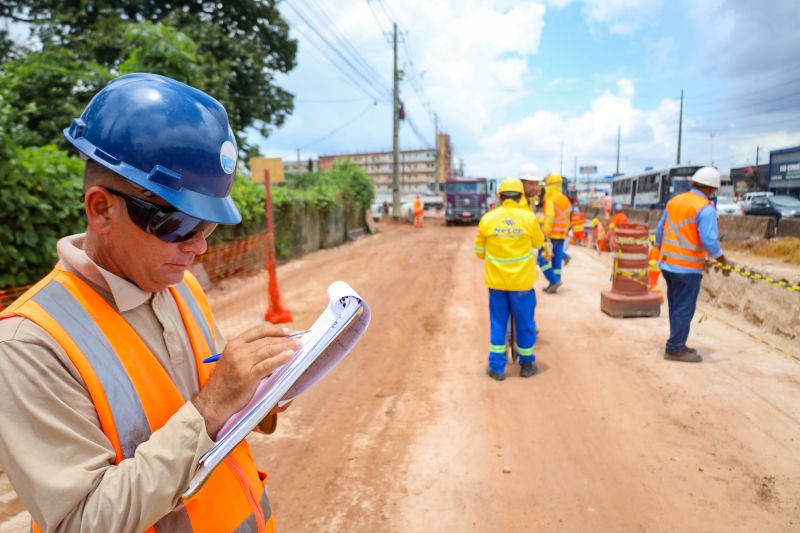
527	370
495	375
553	287
686	355
566	260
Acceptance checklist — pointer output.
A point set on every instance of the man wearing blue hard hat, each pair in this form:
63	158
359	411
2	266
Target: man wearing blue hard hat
107	406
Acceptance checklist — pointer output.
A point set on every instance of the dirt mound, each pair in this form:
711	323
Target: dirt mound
782	248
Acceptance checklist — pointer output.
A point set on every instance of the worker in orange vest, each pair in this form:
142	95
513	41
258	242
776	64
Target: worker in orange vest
555	228
578	221
107	405
617	220
419	212
653	269
687	235
600	238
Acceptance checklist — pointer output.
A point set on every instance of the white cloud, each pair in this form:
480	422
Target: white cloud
621	17
535	141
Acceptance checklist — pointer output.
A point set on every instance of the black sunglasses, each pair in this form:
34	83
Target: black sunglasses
164	221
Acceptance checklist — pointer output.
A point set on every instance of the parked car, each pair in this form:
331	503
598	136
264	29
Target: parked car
775	206
726	206
748	197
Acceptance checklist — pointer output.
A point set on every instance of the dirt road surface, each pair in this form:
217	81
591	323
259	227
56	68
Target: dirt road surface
409	434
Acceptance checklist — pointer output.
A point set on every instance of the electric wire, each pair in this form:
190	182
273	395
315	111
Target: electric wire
341	127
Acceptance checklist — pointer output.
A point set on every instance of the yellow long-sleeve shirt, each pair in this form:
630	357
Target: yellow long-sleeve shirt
507	237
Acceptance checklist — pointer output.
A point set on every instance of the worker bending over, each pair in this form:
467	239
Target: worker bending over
506	239
686	235
556	226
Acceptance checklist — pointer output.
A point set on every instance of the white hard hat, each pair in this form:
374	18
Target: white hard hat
707	176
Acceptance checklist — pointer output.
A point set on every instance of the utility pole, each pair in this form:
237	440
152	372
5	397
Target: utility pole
711	136
575	170
395	133
680	130
619	132
298	155
438	152
757	149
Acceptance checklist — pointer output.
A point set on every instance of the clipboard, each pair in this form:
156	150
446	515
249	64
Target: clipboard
332	336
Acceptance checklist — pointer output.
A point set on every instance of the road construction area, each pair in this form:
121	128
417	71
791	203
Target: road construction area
409	434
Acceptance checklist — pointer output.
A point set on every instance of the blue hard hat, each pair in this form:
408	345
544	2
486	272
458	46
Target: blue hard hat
166	137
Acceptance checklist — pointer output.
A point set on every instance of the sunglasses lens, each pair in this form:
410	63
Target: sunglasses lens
180	227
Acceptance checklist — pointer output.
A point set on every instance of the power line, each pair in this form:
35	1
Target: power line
339	128
347	45
376	88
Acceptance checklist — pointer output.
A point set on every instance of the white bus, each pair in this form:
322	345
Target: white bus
653	188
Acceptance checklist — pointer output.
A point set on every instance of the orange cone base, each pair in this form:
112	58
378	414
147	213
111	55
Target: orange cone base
623	306
278	316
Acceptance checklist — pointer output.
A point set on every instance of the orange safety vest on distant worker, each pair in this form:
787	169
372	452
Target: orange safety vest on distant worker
578	220
110	356
560	206
619	218
680	242
417	206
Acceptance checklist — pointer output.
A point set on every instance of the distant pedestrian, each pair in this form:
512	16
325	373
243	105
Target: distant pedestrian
686	235
419	212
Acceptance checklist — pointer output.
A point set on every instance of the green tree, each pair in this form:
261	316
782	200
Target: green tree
39	203
241	44
44	91
162	49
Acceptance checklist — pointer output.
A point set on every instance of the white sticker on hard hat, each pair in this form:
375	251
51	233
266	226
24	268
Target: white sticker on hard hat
227	157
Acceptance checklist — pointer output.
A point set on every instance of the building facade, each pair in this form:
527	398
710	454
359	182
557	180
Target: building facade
419	169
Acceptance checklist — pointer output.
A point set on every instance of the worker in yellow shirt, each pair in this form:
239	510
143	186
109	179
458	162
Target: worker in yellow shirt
556	226
506	239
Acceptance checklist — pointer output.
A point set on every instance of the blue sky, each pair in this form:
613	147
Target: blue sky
513	81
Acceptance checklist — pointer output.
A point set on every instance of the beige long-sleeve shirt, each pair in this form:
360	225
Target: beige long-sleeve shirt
51	444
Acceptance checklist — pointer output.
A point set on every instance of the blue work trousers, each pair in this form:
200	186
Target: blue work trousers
682	292
521	306
552	269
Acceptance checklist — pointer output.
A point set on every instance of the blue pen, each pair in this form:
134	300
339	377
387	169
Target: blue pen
215	358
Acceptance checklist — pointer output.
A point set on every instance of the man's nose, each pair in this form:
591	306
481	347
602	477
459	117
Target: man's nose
197	245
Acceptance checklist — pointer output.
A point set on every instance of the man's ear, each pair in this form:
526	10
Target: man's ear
100	206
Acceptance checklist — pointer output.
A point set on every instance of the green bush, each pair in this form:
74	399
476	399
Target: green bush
39	203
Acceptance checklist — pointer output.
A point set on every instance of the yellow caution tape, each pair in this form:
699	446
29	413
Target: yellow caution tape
633	240
786	353
755	276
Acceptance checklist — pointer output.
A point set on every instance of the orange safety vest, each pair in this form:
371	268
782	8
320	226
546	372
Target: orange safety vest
680	243
578	220
417	206
134	396
619	218
561	207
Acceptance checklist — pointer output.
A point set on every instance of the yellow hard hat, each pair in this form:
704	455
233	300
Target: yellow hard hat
595	222
653	238
552	179
511	185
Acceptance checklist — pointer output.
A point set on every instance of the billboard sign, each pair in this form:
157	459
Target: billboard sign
588	169
784	165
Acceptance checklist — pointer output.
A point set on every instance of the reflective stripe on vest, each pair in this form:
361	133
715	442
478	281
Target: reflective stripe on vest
134	396
680	243
524	257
